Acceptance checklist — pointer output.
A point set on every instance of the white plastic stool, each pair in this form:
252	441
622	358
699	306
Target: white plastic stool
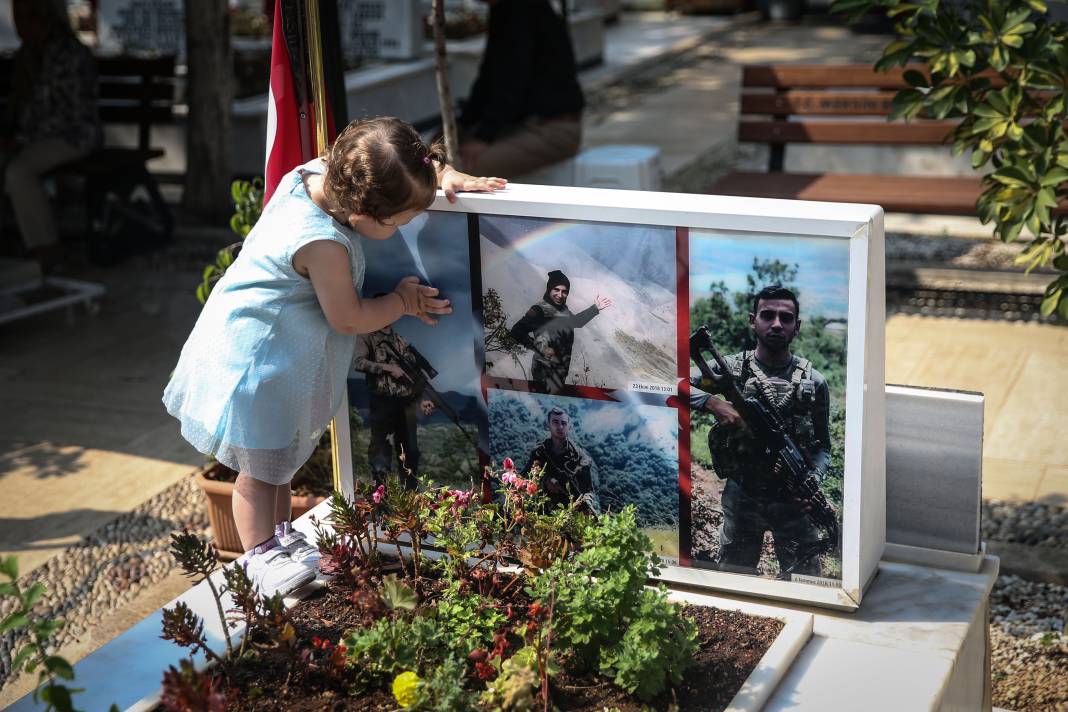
627	167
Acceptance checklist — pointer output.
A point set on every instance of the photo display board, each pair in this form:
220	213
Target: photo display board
715	362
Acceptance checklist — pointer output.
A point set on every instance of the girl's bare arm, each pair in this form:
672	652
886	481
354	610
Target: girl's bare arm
326	264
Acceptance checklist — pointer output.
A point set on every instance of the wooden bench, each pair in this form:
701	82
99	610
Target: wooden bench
125	211
839	104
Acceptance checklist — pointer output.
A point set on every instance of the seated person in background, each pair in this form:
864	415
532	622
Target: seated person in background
525	108
52	117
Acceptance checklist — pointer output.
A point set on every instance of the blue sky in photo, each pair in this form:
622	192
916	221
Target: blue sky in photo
822	267
434	248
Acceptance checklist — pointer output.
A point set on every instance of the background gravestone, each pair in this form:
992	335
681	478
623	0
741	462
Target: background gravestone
141	27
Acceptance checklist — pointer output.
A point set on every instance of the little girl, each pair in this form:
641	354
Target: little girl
263	370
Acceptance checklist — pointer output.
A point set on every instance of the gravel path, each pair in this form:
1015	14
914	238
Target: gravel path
109	567
1029	645
1030	523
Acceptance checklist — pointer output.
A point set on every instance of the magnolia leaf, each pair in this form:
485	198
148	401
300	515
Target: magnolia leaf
1049	304
1015	19
1037	6
1012	176
398	594
998	59
9	566
1046	198
1054	177
23	654
13	621
916	79
1014	41
59	667
32	595
1061	263
979	157
906	104
1034	224
1063	308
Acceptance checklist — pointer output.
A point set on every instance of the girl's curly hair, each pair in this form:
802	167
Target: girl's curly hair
380	167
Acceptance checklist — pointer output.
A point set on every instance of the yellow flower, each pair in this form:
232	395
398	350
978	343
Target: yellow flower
405	686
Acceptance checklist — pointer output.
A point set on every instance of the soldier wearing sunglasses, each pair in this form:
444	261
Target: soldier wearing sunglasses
754	500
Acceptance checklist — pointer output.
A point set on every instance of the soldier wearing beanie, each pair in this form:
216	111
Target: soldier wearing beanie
548	329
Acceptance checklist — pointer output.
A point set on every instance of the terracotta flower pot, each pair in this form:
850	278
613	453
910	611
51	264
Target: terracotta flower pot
218	496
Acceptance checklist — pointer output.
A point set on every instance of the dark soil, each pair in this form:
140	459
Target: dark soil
732	644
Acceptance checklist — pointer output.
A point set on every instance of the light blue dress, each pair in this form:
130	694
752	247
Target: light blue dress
262	373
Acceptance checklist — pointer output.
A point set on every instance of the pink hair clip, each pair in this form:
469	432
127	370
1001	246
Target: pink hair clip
426	160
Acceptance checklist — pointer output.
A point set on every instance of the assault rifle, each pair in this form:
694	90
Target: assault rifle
421	373
779	447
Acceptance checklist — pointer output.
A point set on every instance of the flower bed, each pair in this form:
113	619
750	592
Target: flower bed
515	607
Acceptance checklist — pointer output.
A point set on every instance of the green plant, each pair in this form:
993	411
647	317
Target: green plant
443	690
389	647
654	651
469	619
604	612
248	206
197	559
35	654
999	68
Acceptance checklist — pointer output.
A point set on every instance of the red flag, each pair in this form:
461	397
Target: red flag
289	111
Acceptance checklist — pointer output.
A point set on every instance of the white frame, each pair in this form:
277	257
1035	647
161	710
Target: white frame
864	495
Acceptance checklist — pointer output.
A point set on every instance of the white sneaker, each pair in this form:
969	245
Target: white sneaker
274	571
296	543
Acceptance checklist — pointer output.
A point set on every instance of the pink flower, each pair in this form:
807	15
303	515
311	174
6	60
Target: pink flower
379	494
532	488
509	478
509	466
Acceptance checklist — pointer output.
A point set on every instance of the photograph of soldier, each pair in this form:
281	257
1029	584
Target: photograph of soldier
598	455
762	403
413	387
568	304
548	329
568	473
396	379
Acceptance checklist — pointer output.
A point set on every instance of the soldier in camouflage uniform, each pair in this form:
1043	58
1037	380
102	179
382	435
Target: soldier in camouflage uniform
570	474
548	329
753	499
396	402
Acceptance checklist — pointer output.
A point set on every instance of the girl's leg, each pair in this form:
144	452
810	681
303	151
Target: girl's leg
255	505
283	501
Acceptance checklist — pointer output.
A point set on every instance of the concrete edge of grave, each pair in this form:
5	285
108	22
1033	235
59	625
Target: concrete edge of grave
1034	563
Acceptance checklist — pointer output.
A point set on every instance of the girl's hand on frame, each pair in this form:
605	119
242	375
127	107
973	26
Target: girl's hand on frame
454	181
419	300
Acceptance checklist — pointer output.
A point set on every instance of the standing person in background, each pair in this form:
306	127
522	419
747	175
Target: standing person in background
525	108
52	117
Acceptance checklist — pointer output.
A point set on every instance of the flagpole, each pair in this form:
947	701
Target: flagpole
315	72
318	86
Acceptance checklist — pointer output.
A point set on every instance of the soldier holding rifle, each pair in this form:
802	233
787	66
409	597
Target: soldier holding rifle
771	442
397	398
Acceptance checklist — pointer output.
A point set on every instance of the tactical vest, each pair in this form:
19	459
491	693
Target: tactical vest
735	452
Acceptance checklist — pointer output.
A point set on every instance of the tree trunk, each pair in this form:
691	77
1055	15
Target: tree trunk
441	70
209	92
